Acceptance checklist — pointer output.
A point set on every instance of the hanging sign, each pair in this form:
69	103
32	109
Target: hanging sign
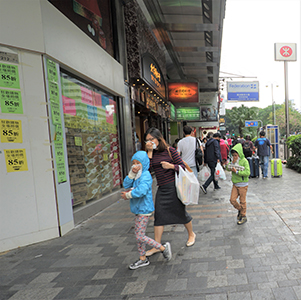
152	74
183	92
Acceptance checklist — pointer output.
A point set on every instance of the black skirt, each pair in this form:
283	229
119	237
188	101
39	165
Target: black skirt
168	207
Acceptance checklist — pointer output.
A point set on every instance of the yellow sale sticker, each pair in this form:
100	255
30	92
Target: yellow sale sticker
11	131
15	160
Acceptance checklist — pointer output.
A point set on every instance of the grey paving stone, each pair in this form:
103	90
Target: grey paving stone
134	287
176	285
264	294
284	293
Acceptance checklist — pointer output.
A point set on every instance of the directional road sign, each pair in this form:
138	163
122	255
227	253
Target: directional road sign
251	123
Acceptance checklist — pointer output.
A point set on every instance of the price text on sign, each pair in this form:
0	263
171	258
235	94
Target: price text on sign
11	102
60	162
15	160
51	71
9	76
11	131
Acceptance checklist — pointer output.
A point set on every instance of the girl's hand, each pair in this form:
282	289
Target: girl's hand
136	168
233	170
123	196
167	165
149	146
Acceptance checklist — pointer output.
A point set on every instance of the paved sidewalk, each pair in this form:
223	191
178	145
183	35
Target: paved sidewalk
258	260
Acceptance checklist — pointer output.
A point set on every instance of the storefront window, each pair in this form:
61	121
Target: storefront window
92	140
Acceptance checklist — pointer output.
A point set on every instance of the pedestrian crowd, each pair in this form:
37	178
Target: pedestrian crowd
234	155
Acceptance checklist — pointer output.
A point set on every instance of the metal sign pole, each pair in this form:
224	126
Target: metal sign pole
286	107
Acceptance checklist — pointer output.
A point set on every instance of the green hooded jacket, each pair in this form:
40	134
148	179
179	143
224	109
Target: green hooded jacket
242	175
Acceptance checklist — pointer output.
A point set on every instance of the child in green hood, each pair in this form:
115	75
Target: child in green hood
240	177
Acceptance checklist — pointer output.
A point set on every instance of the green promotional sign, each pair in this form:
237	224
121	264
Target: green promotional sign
11	102
9	76
60	162
51	71
188	113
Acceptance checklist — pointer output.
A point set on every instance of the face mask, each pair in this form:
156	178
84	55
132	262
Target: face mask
138	174
154	145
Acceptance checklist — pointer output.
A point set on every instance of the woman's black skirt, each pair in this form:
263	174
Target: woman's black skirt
168	207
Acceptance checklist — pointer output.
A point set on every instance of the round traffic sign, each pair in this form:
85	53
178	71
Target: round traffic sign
286	51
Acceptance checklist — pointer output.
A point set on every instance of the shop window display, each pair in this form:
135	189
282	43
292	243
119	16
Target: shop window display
92	140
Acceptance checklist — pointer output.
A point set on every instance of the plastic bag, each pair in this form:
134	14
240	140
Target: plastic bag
187	186
204	173
219	172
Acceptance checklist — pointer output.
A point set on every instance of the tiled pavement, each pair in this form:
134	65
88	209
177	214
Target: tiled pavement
258	260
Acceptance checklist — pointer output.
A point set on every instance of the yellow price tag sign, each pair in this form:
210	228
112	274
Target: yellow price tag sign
105	157
15	160
78	141
11	131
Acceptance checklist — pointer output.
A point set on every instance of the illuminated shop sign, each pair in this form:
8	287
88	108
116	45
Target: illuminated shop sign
172	112
183	92
152	74
188	113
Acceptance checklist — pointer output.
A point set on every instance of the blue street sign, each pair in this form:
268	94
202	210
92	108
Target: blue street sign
251	123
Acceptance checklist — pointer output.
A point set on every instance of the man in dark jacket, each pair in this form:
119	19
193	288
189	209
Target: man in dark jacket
212	157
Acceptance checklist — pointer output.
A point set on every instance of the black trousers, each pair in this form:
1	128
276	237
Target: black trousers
212	166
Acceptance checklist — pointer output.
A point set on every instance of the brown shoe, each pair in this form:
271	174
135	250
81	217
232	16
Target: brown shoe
242	220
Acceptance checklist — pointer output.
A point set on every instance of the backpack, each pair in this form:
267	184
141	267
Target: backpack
247	148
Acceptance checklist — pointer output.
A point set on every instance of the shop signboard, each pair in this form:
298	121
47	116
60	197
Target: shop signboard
188	113
243	91
151	104
152	74
183	92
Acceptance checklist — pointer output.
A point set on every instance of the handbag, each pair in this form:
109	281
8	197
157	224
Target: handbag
187	186
198	153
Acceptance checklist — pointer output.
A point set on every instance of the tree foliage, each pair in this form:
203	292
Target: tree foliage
236	117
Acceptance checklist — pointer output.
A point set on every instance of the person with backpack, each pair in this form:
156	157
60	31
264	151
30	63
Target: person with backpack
262	145
248	147
187	147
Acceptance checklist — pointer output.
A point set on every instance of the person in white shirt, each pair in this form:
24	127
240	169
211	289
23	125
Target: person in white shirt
187	147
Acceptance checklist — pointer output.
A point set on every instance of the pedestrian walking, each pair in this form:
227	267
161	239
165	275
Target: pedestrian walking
224	151
240	177
262	145
139	181
168	207
248	147
212	157
187	147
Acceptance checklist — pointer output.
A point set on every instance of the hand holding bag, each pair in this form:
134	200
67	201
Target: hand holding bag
204	174
187	186
219	172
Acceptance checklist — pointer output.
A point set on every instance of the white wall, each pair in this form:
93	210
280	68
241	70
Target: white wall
28	211
34	28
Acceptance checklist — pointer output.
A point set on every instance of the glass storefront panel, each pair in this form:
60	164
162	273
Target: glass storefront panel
92	140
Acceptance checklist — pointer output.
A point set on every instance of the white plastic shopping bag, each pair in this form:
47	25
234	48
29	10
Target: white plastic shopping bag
204	173
219	172
188	187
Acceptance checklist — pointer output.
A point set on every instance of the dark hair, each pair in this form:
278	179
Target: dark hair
187	129
248	138
233	151
262	133
209	135
154	132
217	134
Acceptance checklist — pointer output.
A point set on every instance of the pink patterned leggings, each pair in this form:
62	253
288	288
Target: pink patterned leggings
141	238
